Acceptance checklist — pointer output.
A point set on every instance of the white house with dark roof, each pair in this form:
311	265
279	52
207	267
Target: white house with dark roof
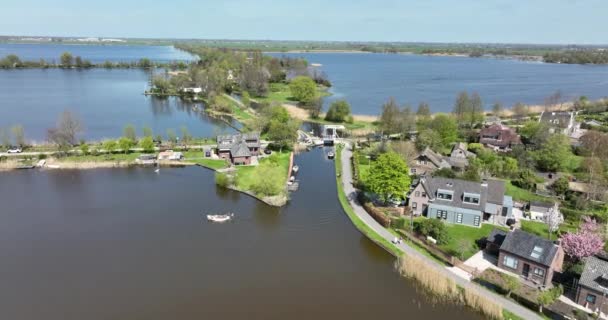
460	201
558	121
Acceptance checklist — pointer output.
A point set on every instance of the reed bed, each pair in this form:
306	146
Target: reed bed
444	288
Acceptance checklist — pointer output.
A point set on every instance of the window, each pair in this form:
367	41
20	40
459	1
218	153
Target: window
590	298
510	262
414	205
445	195
539	272
442	214
459	218
423	194
536	252
413	171
476	221
471	198
417	194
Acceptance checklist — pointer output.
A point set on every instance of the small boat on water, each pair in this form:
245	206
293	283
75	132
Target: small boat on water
220	217
331	155
295	168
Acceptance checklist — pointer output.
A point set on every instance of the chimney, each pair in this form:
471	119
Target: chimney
484	183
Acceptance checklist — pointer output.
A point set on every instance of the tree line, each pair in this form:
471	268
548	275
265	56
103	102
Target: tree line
67	60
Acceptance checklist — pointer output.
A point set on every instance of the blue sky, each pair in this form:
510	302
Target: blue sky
523	21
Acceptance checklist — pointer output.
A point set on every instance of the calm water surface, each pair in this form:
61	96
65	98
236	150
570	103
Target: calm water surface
95	53
131	244
368	80
105	101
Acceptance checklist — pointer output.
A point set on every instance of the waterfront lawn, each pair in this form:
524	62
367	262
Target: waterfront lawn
128	157
214	164
459	234
520	194
271	170
280	92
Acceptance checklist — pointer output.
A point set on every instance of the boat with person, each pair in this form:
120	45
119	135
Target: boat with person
220	217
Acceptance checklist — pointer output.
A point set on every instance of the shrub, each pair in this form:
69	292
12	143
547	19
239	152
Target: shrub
222	179
434	228
338	111
42	156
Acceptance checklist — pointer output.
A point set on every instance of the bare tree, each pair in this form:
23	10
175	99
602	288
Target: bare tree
19	135
64	135
406	149
553	100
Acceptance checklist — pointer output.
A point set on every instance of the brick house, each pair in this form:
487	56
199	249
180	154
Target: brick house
460	201
499	137
592	287
239	148
531	257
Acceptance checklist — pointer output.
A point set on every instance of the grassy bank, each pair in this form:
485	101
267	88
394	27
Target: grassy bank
280	93
271	170
359	224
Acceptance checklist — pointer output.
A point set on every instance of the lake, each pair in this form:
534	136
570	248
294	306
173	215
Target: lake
132	244
95	53
366	81
105	100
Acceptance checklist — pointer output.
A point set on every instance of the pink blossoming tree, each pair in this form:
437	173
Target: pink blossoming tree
585	243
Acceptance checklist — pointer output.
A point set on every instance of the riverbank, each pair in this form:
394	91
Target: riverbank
347	195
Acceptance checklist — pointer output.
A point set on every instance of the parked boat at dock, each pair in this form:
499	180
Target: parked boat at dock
295	169
331	155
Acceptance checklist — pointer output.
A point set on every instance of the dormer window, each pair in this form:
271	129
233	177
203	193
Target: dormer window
445	194
471	198
536	252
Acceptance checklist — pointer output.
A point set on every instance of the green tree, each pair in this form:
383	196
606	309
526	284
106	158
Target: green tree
171	136
147	132
246	99
303	89
535	133
283	134
267	180
547	297
84	149
147	144
428	139
78	62
67	60
125	144
19	135
222	179
554	154
423	114
461	106
475	110
186	136
338	111
446	127
145	63
407	120
561	186
511	284
388	176
109	146
129	133
389	119
161	85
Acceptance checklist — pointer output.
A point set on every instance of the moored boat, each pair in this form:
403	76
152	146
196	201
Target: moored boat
295	168
331	155
220	217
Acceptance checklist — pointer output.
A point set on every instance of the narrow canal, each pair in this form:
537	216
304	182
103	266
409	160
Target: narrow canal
131	244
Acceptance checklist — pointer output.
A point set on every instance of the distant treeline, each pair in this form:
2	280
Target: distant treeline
577	57
68	61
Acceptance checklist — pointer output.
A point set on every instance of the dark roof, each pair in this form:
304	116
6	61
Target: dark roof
541	205
497	236
595	274
435	158
523	244
228	142
240	150
556	118
493	192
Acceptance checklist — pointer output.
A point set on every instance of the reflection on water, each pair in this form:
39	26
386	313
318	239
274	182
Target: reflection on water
133	244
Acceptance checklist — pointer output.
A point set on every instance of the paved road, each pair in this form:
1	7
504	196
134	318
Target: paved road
363	215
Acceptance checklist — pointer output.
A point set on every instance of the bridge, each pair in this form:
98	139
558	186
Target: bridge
330	133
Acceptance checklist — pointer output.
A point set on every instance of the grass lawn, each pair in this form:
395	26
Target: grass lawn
102	157
279	92
459	233
211	163
540	229
247	174
350	126
520	194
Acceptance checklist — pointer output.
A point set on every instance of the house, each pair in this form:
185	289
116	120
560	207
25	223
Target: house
558	121
539	209
490	120
531	257
192	90
239	148
427	161
459	157
499	137
170	155
592	287
146	159
461	201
